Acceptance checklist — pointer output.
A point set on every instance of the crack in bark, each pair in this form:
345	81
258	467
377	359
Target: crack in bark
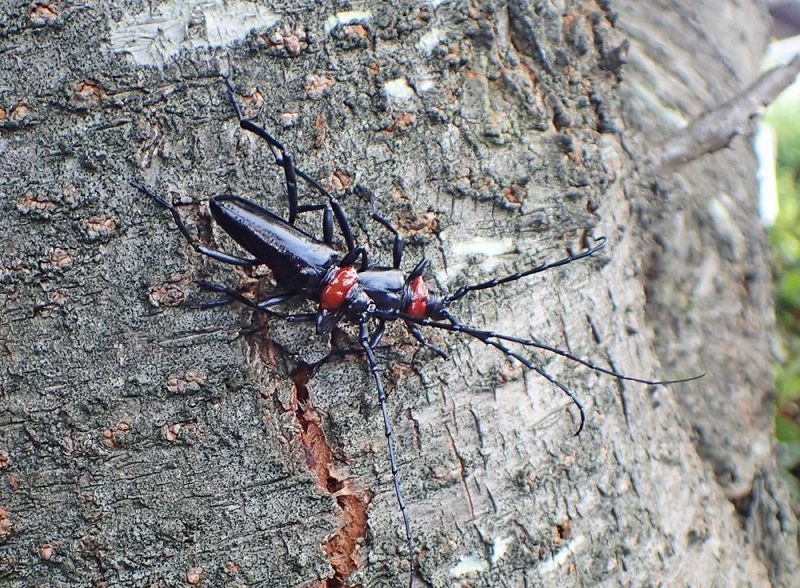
523	35
343	545
462	470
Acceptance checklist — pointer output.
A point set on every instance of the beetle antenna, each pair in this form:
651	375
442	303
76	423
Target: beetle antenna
495	339
456	326
464	290
364	339
490	338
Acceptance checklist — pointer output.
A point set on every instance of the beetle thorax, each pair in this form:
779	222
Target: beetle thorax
418	305
335	290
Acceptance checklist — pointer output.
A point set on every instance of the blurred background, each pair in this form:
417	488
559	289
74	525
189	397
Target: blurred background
778	147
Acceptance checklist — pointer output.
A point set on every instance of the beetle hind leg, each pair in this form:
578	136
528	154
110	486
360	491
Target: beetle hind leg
284	159
212	253
234	295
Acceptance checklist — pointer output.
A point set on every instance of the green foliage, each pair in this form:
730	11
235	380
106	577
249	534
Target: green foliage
784	117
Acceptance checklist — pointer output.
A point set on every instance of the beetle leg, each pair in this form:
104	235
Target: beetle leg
336	207
212	253
327	220
285	160
377	334
249	125
287	163
260	305
233	294
364	339
353	255
329	211
417	334
399	243
282	157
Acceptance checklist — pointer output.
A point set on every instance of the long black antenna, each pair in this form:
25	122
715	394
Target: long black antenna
494	339
464	290
364	338
456	326
485	337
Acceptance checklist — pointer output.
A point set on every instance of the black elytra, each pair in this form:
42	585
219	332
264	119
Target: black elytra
348	287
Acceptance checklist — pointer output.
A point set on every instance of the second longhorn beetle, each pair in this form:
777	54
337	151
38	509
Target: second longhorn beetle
348	287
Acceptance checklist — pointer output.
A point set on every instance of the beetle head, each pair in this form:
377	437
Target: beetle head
436	307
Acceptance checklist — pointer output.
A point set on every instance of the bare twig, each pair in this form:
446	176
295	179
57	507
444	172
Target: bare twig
716	129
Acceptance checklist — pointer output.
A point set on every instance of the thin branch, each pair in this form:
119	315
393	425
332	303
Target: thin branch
716	129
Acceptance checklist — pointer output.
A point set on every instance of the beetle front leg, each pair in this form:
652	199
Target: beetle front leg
377	334
364	340
417	334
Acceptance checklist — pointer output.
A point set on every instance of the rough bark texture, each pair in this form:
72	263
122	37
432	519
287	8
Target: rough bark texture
147	443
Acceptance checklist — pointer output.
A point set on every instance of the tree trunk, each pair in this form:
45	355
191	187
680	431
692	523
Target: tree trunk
145	442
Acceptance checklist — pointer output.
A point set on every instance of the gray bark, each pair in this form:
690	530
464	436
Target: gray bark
147	443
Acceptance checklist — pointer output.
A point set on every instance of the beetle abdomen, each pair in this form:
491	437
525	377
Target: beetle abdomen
293	255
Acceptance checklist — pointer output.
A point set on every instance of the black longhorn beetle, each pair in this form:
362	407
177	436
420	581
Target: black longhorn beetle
349	288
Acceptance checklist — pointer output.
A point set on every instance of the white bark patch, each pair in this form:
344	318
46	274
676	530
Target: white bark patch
469	565
425	84
231	22
492	249
484	246
152	38
346	18
398	89
560	558
429	41
500	546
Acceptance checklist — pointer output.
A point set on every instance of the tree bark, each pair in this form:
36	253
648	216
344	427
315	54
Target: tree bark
144	442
